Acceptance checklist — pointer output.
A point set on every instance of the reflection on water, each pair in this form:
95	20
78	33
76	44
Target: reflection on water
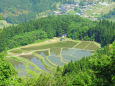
55	60
18	65
38	63
32	68
22	73
74	54
44	55
57	57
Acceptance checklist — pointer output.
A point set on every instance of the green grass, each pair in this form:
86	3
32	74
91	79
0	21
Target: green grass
71	12
28	62
67	44
27	56
55	50
83	44
50	62
19	60
47	66
14	61
92	46
41	40
88	45
17	51
44	52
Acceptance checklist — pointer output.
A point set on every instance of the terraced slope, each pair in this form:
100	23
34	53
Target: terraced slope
34	59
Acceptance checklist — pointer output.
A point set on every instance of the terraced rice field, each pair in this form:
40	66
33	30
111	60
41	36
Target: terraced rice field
32	60
83	45
68	44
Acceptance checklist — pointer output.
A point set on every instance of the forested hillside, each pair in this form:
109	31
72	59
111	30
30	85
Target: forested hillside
16	11
53	26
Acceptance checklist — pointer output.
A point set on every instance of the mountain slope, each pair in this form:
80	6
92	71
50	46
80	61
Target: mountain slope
16	11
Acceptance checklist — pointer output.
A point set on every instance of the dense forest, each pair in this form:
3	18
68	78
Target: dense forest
53	26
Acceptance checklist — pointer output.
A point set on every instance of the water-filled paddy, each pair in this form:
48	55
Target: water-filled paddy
42	53
17	64
37	62
22	73
47	57
55	60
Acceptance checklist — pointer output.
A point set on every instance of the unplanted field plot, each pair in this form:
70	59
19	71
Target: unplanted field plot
43	53
55	51
17	51
82	45
92	46
27	56
67	44
87	45
66	51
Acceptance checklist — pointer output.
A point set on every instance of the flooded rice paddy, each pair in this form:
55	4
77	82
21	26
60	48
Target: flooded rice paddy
47	60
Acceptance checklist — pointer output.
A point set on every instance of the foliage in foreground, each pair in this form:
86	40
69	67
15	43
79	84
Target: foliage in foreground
7	73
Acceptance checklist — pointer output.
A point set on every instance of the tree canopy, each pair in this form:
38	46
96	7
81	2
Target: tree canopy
53	26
